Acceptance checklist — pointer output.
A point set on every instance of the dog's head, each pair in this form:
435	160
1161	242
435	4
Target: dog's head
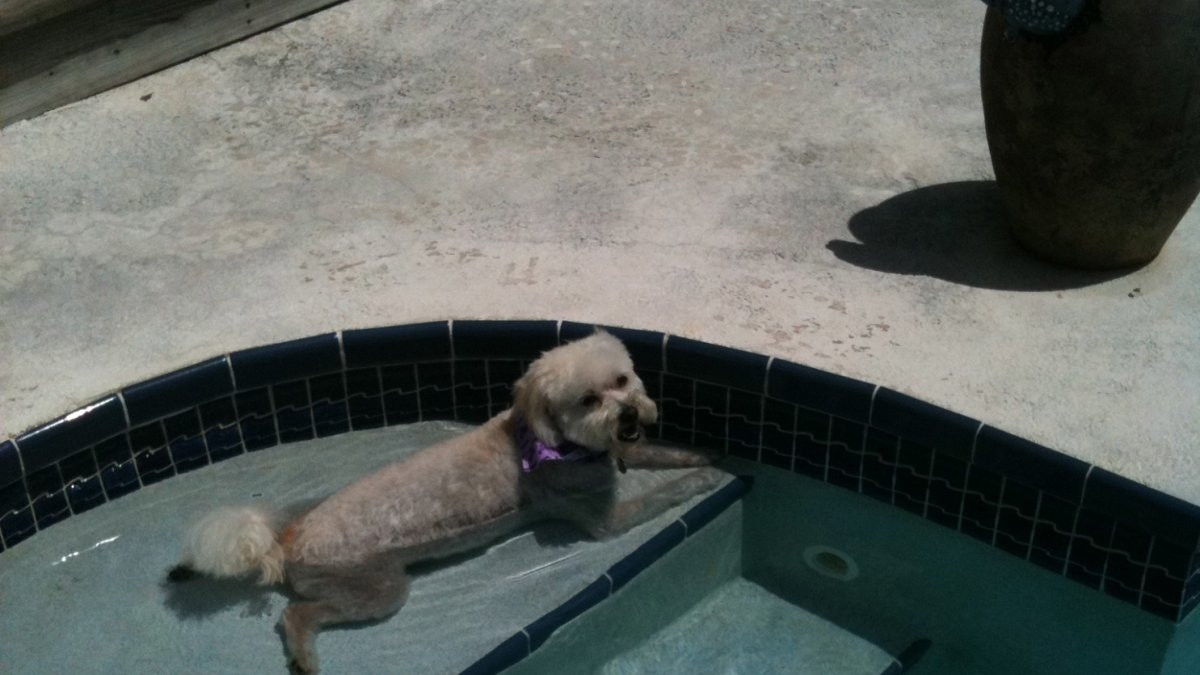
585	392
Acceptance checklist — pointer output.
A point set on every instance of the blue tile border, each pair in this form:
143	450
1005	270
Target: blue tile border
176	391
1099	529
525	641
69	434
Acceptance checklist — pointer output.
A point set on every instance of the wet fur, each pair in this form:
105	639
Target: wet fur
346	558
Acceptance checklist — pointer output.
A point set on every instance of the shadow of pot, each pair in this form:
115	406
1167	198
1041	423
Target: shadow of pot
1095	134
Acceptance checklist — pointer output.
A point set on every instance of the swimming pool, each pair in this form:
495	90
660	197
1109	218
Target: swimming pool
1006	556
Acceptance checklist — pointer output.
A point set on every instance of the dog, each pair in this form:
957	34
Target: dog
577	419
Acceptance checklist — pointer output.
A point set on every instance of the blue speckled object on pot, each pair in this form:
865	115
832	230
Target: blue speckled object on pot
1040	17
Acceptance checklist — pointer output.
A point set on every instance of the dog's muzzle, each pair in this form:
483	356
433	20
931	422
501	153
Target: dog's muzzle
628	429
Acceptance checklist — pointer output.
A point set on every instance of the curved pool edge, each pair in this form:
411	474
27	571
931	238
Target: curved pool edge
1058	512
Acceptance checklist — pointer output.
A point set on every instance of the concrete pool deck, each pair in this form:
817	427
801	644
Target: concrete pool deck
808	180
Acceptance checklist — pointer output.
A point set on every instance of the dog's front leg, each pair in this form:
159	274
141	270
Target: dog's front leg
660	457
624	515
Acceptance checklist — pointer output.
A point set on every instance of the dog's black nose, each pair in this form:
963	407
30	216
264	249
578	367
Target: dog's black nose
628	415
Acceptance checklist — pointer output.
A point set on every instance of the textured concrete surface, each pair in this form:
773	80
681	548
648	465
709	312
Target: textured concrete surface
805	179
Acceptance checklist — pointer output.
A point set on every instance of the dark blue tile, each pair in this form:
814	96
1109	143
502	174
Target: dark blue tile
503	656
778	434
676	418
503	339
1089	548
175	391
713	505
1014	526
539	631
924	423
221	433
115	450
471	391
79	465
16	514
401	403
914	464
879	464
1163	589
845	454
1031	464
745	422
46	494
85	493
118	473
256	419
646	347
70	434
435	391
1127	564
947	486
80	475
10	464
286	361
711	420
293	411
330	412
822	391
364	397
645	555
397	344
721	365
980	504
1137	505
812	442
1166	610
1052	534
153	459
185	441
119	479
502	374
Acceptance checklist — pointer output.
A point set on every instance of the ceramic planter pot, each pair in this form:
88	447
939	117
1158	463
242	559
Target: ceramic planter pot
1095	133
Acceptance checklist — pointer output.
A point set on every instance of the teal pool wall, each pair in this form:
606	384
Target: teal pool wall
647	604
986	613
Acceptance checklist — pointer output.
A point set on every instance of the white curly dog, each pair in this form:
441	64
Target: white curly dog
577	418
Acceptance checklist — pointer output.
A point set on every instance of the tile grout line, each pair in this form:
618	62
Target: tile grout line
417	391
1146	571
795	436
453	373
871	408
1037	513
345	383
1107	556
312	413
382	396
274	413
1000	510
528	643
237	415
1087	477
962	507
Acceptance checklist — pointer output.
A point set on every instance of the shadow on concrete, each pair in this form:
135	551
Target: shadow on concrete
955	232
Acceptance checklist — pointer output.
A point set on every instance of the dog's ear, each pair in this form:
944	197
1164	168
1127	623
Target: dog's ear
532	404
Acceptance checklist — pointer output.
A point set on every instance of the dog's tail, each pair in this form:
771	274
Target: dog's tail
231	542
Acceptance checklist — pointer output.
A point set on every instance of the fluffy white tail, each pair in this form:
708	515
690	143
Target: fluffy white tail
234	541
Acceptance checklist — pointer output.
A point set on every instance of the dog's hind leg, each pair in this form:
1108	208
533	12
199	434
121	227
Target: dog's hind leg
333	597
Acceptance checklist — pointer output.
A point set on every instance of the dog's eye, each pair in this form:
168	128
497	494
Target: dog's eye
622	381
589	401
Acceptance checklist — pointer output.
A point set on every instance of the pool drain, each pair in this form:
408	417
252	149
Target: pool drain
831	563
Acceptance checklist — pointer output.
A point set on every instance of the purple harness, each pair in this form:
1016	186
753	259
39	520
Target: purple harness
534	451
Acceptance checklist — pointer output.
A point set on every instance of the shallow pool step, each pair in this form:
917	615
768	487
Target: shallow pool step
743	628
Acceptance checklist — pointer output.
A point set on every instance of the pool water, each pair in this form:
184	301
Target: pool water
86	596
743	628
739	598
